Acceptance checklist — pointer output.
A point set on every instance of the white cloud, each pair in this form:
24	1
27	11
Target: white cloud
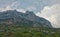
31	8
21	10
5	8
52	13
12	6
8	7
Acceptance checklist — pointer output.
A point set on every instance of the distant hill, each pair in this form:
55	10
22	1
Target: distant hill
28	19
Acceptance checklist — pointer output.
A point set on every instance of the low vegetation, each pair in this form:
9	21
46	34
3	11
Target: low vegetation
20	31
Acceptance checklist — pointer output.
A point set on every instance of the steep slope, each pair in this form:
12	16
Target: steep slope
27	19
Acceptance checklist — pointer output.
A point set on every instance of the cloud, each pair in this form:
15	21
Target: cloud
27	4
52	13
50	2
31	8
21	10
12	6
5	8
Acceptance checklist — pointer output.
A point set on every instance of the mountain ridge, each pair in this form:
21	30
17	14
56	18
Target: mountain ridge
29	15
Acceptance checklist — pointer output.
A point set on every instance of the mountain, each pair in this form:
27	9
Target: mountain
24	19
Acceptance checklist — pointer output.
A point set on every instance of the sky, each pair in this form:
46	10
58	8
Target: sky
48	9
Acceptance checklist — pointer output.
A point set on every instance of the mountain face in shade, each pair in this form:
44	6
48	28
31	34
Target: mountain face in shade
25	19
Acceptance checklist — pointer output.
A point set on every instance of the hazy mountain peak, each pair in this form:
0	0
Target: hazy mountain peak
30	12
29	15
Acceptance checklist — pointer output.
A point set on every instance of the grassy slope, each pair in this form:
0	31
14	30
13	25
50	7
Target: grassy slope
20	31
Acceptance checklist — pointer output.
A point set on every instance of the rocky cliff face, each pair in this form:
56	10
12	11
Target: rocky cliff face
28	18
